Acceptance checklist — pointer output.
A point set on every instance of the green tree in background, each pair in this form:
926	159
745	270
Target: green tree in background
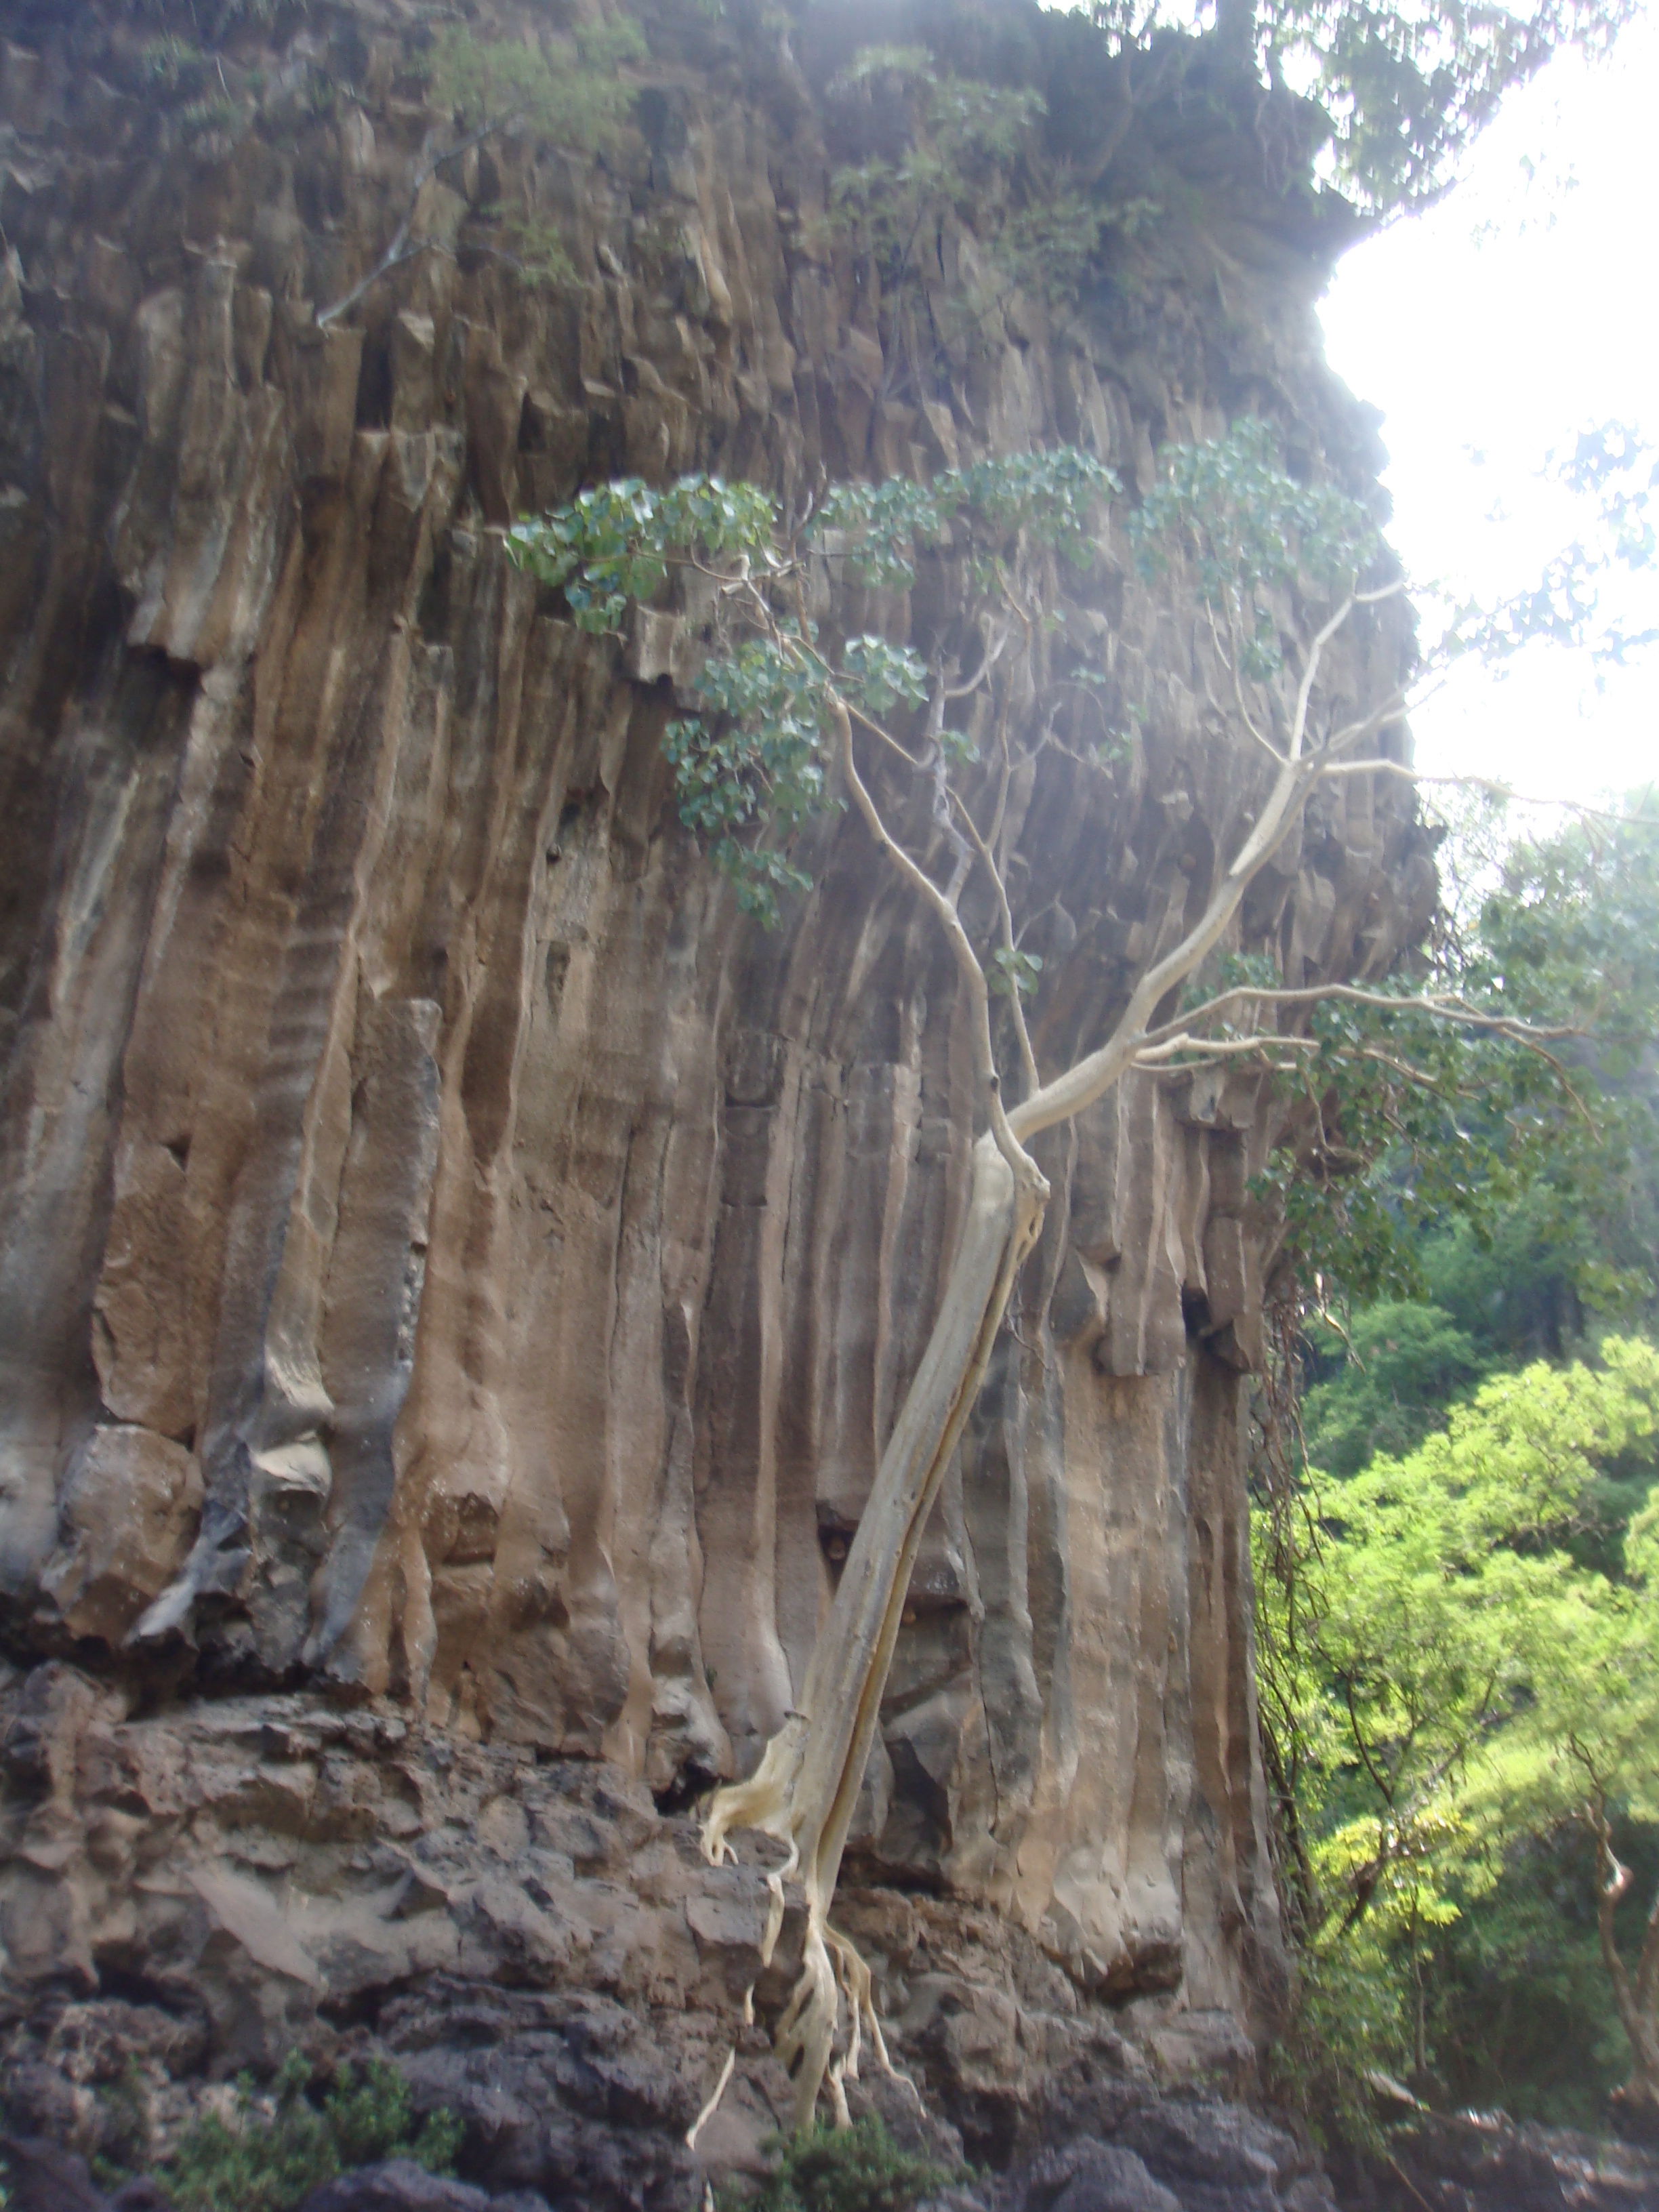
1555	1224
1448	1677
1503	1996
1408	88
1405	1364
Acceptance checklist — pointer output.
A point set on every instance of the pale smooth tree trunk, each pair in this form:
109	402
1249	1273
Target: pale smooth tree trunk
806	1788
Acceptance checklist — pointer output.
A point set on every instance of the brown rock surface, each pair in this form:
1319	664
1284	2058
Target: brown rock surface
453	1267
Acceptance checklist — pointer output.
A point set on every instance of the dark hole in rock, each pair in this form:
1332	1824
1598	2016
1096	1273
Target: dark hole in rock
132	1987
375	384
434	613
693	1782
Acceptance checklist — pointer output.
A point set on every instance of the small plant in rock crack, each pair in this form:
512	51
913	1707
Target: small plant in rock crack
565	91
126	2129
278	2148
170	62
856	2169
531	245
209	102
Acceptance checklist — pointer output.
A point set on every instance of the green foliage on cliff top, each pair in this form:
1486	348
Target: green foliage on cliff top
1398	93
973	155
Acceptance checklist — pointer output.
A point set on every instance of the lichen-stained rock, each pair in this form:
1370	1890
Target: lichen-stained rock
451	1263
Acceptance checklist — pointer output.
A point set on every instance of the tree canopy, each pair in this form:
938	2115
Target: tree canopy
1476	1960
1455	1668
1408	87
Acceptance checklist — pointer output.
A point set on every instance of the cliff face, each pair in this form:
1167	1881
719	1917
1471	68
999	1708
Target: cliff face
457	1274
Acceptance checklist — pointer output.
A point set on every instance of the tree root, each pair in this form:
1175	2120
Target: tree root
713	2104
831	1967
806	1788
853	1976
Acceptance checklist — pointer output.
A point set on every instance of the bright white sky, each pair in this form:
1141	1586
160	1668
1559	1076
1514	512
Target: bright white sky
1520	310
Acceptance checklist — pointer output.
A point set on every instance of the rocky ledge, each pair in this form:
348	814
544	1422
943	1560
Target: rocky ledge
533	1942
1160	2156
542	1949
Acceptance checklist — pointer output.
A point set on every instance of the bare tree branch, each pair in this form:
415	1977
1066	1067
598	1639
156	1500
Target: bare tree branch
1020	1162
402	249
1159	1054
1492	789
1090	1078
1446	1006
1028	1058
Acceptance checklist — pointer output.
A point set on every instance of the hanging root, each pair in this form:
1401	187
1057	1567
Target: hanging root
830	1968
831	1965
761	1803
862	2017
713	2105
807	2033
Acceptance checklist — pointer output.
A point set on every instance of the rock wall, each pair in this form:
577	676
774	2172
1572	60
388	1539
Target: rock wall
457	1274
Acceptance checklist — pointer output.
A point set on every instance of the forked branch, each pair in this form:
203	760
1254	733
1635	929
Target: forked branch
404	247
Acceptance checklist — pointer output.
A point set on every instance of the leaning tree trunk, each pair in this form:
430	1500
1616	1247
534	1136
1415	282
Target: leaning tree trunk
807	1782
